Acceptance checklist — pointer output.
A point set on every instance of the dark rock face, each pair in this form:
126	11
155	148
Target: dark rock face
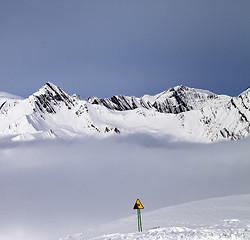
119	102
49	96
2	105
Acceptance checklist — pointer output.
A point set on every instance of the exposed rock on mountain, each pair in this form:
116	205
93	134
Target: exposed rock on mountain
174	100
51	96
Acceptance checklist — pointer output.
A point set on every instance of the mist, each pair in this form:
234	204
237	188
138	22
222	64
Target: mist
54	188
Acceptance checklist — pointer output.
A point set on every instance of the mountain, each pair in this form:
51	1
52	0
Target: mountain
183	113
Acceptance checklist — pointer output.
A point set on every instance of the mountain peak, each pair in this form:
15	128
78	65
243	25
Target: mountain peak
50	94
50	87
182	88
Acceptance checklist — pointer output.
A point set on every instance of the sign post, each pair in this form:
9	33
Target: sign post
139	206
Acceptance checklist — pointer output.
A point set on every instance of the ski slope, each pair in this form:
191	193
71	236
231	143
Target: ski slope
216	218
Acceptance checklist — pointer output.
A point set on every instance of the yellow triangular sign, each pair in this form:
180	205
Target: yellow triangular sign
138	205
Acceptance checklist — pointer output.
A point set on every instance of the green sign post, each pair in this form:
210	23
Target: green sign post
139	206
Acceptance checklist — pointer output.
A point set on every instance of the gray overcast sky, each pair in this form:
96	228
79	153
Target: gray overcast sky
132	47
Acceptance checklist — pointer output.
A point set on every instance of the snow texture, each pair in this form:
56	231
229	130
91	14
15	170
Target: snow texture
218	218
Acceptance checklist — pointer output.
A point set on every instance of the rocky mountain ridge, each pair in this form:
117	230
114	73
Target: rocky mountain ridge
175	100
183	113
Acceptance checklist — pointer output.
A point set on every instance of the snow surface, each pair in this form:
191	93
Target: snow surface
8	101
205	92
216	218
9	96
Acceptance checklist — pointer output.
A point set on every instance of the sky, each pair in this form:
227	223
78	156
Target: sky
131	47
52	189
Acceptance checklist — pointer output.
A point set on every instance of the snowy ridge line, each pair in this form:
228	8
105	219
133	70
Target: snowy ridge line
175	100
181	113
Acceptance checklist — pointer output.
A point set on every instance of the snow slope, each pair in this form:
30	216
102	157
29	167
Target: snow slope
8	101
184	114
216	218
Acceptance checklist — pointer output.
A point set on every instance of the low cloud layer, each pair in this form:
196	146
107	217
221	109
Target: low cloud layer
49	189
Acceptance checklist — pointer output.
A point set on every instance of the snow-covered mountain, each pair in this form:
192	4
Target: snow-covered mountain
183	113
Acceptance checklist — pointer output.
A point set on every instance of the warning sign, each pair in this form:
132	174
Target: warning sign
138	205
